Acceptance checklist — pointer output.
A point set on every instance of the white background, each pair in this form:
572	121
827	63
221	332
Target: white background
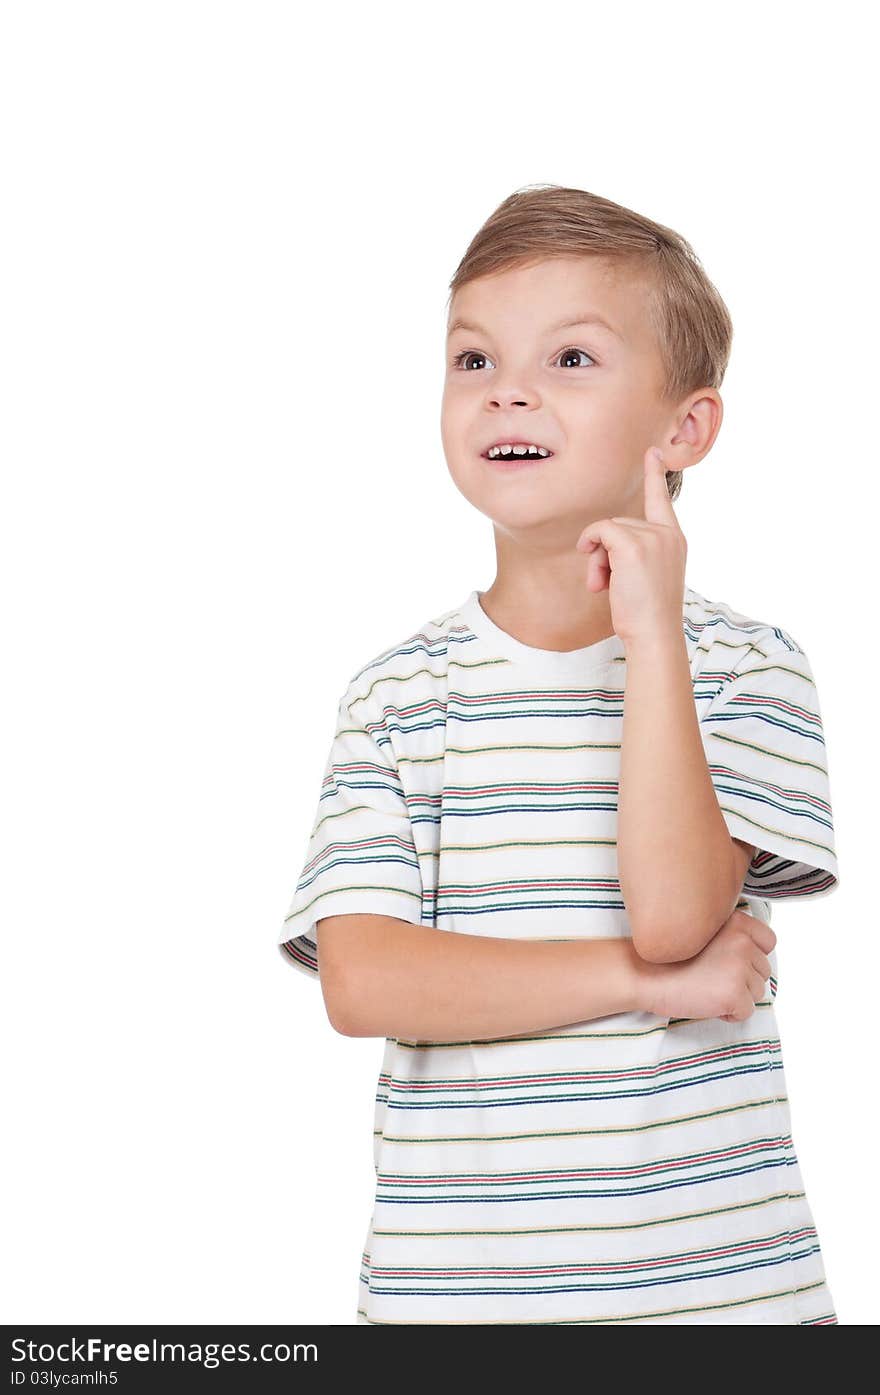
228	234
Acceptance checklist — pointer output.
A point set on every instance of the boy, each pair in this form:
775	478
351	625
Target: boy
598	780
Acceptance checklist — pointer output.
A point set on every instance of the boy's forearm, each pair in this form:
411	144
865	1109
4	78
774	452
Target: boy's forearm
675	856
393	979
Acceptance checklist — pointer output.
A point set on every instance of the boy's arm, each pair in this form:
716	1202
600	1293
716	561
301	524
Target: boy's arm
680	871
383	977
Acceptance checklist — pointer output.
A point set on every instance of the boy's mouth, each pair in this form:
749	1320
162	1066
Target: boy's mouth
516	452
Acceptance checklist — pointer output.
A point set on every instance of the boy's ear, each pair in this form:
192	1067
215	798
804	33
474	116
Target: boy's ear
697	430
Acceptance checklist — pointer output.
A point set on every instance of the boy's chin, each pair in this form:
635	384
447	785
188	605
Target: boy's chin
532	520
522	506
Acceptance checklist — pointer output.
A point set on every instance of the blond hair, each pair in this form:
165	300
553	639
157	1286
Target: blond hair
690	322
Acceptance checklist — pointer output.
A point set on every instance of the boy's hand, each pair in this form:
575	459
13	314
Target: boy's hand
726	979
641	561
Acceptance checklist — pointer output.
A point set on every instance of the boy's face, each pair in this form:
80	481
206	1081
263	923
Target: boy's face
588	393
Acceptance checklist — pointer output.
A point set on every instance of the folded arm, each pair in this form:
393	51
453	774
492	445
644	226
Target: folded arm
383	977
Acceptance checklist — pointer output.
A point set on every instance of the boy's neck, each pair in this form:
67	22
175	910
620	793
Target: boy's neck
549	616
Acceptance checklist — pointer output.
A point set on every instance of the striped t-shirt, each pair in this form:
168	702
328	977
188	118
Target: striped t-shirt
630	1168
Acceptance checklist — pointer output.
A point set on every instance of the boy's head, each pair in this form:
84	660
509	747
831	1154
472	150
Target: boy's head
597	396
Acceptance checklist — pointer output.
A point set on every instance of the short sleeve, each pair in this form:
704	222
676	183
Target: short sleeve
361	855
765	746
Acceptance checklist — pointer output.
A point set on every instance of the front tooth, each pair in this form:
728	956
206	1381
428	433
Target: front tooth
520	450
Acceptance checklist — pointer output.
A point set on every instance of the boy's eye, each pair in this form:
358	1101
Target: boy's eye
566	352
459	360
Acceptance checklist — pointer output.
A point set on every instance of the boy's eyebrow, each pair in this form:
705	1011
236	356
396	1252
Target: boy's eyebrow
588	318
